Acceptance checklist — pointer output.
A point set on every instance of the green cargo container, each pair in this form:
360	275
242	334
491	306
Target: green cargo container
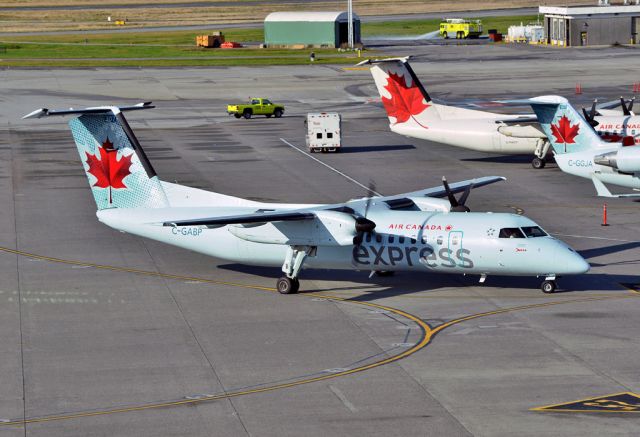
311	29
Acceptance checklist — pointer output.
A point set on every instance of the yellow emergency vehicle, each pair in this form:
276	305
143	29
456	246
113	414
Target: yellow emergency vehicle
460	28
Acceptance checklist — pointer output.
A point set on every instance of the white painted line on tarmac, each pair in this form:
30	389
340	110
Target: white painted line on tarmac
597	238
329	167
336	391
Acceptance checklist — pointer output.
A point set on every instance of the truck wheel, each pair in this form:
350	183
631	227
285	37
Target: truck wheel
445	35
237	115
247	114
278	113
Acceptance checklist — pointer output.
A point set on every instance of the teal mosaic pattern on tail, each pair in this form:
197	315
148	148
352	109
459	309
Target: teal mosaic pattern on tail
567	131
114	169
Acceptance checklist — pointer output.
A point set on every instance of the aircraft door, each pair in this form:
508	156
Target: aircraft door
455	244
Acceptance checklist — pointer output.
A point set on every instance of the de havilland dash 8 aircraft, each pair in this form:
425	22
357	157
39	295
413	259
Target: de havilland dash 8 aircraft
413	113
580	151
425	230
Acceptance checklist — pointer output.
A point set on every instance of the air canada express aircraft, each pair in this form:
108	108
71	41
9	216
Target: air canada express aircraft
425	230
413	113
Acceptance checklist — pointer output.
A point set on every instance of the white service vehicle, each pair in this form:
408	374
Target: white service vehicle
323	132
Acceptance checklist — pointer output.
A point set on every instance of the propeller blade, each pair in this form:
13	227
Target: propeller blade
593	109
465	195
452	199
371	191
633	99
590	116
625	109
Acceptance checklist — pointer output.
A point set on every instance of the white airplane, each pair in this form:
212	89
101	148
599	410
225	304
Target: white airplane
412	113
580	151
416	231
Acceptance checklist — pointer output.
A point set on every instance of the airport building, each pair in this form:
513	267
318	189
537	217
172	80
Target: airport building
309	29
592	25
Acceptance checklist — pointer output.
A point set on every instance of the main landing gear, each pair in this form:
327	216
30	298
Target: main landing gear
293	261
542	148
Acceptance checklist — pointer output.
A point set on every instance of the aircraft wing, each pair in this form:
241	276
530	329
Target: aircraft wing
440	191
251	218
354	208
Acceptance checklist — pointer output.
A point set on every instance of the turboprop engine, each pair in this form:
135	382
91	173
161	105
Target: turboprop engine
330	228
625	159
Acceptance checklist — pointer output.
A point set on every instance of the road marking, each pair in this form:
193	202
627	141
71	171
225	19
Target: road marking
349	178
336	391
596	238
427	335
625	402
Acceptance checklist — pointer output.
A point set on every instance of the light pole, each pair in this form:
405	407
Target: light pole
350	26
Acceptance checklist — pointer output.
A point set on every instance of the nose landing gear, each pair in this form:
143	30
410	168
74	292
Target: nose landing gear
549	285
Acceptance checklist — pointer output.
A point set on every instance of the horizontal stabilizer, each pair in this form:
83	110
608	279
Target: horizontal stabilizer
44	112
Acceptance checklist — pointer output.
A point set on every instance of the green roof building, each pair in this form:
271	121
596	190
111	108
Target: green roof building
309	29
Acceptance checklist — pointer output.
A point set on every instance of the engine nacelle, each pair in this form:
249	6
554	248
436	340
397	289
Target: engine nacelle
626	159
432	204
329	228
522	131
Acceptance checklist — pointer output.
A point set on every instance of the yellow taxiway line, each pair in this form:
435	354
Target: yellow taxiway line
427	331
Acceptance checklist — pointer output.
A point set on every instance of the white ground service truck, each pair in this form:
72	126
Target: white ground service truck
323	132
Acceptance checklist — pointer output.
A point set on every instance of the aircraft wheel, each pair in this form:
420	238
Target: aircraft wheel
247	114
278	113
237	115
287	285
384	273
548	287
538	163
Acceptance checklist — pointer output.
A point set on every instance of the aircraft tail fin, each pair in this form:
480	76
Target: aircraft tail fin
404	98
567	130
119	172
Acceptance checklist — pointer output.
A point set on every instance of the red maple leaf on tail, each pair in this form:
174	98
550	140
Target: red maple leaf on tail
109	172
564	132
405	102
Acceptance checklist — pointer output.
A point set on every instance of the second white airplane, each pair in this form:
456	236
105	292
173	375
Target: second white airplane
413	113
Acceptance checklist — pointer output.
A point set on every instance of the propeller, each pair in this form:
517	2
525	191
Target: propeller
626	110
457	205
363	224
591	115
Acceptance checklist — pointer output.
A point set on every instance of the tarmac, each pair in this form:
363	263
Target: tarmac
105	333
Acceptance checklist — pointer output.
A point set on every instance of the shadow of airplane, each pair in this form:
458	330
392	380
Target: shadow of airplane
404	283
607	250
507	159
363	149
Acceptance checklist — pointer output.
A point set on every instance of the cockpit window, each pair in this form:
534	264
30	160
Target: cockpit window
533	231
511	233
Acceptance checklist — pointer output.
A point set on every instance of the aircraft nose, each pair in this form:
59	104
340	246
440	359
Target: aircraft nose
573	262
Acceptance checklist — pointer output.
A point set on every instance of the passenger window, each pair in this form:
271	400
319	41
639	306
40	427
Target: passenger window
329	135
368	238
413	241
424	239
255	102
319	135
454	239
266	102
439	240
401	240
533	231
390	238
511	233
378	238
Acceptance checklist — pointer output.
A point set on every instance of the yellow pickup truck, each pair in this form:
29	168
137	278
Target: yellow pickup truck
256	107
